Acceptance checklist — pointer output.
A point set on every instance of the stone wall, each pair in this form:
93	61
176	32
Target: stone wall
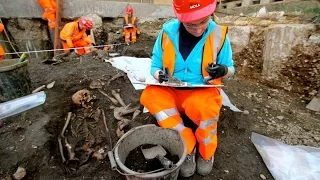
282	55
29	35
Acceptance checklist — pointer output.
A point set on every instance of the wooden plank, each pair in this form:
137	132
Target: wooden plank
57	27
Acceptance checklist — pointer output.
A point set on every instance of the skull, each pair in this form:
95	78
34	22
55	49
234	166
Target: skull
81	97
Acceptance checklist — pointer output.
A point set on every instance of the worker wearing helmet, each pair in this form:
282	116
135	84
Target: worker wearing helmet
2	52
195	50
74	35
130	29
49	7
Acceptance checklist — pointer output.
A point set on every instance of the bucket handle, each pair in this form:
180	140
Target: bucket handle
112	160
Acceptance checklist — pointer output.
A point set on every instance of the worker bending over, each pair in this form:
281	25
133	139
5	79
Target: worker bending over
49	7
74	35
195	50
130	29
2	52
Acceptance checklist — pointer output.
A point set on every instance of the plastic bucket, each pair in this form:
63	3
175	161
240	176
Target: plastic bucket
150	134
14	79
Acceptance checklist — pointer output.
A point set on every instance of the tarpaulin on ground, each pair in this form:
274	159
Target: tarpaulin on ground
287	162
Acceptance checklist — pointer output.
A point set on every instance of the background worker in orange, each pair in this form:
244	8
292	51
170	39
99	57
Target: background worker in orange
195	50
49	7
130	29
74	35
2	52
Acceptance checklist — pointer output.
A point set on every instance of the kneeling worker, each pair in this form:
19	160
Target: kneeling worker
130	30
74	35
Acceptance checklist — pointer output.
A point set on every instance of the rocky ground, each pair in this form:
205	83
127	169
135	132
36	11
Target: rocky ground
30	140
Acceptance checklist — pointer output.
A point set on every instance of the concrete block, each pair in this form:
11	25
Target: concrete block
78	8
266	1
146	1
162	2
246	3
98	30
279	41
233	4
239	37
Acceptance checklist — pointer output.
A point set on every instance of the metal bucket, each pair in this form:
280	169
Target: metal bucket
149	134
14	79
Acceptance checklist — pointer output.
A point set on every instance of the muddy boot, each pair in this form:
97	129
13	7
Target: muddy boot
204	167
188	167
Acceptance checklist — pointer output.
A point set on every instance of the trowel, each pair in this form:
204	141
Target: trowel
158	152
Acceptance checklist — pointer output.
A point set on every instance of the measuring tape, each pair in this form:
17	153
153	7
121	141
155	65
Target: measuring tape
50	50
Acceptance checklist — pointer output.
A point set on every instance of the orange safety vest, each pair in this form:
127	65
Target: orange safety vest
212	47
71	32
133	20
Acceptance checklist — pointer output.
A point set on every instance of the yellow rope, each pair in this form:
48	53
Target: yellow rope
5	32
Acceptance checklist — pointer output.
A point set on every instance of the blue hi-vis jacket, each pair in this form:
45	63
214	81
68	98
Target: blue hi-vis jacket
188	70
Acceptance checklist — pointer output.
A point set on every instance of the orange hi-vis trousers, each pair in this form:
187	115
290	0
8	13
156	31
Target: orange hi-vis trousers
130	33
2	53
49	7
77	44
201	105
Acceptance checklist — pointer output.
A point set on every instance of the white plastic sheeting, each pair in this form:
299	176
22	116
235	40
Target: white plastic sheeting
287	162
21	104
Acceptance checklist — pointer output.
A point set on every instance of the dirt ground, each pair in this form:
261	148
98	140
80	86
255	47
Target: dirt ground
30	140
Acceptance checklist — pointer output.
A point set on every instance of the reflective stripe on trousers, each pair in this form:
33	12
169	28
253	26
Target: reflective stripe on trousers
208	123
207	137
164	114
168	118
207	140
205	126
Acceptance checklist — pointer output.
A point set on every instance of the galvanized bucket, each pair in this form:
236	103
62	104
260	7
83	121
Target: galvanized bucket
14	79
148	134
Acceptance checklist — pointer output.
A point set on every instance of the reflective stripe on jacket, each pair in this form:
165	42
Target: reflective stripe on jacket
212	47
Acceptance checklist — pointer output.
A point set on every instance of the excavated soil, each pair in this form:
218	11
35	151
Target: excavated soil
301	71
249	61
30	140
